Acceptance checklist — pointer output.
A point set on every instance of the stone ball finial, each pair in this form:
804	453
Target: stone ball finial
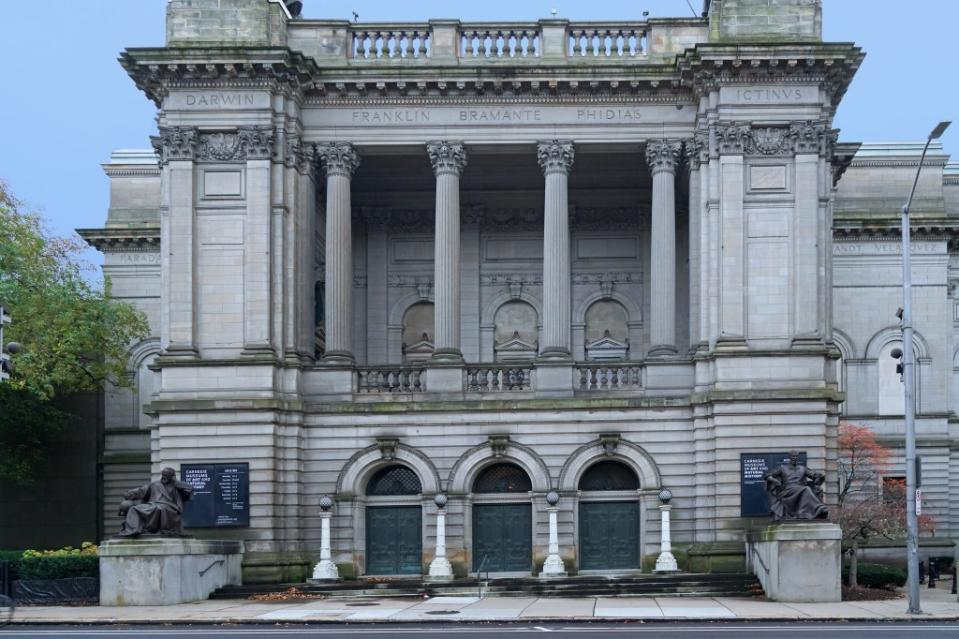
325	503
440	500
665	496
552	498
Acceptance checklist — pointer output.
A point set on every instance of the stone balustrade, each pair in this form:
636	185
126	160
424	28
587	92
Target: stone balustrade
607	40
391	379
606	377
444	42
500	41
375	42
498	378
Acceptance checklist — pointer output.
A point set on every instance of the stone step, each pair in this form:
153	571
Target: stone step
682	585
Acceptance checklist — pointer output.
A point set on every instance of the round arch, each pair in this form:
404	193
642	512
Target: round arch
398	312
894	334
634	312
626	452
844	343
358	470
140	351
488	316
476	459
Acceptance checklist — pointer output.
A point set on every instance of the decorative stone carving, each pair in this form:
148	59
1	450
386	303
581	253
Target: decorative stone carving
662	155
607	348
246	143
375	217
609	441
387	446
175	143
447	157
555	156
299	155
528	219
499	444
812	137
473	214
496	279
338	158
420	350
606	218
515	289
731	138
602	279
515	349
696	149
606	288
420	282
769	141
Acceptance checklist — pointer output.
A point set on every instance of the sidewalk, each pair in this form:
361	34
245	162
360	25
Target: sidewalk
936	604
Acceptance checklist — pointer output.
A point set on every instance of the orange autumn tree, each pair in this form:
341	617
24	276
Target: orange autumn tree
865	508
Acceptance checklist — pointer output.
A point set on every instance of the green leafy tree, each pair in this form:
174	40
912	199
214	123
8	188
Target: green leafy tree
74	337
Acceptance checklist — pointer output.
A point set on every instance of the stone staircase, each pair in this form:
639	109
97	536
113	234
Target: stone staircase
639	585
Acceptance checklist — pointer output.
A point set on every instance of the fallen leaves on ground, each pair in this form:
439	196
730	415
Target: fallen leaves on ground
860	593
291	594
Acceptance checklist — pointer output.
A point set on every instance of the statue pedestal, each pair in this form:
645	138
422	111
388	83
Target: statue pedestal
798	562
161	571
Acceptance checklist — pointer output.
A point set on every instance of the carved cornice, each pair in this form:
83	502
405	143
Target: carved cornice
122	239
447	157
246	143
175	143
338	158
707	67
663	155
158	71
555	156
607	218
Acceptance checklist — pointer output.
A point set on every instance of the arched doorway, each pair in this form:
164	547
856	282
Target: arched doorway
394	522
609	517
502	519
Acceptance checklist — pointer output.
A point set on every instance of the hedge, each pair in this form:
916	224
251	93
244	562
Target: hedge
53	564
877	576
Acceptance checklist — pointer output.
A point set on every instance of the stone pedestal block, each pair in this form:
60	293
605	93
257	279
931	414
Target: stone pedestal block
554	379
447	380
798	562
166	571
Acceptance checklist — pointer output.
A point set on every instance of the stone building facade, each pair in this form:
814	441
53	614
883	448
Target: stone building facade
389	261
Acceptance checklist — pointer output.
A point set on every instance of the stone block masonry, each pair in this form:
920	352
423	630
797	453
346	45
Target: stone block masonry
766	20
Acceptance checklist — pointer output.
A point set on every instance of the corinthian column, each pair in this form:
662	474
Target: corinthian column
556	159
449	160
339	161
662	156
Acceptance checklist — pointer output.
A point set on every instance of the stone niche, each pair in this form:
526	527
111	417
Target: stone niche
607	331
516	332
418	332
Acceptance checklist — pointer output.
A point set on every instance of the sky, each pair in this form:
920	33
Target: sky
65	102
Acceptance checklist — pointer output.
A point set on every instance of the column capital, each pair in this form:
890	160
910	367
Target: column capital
175	143
246	143
663	155
555	156
338	158
447	157
696	149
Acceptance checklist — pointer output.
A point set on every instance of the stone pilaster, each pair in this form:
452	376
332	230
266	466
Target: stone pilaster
448	160
556	159
176	148
339	161
663	156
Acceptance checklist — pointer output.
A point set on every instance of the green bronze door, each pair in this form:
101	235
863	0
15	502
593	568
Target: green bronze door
394	540
609	535
503	534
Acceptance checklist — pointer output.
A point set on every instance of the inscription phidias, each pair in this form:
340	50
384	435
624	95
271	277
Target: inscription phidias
387	117
609	115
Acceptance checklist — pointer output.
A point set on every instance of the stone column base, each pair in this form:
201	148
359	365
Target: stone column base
798	562
440	570
324	571
553	568
163	571
666	562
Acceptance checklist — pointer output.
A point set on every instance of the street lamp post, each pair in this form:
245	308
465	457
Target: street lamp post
908	357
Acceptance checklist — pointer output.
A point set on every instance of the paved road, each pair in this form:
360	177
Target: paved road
498	631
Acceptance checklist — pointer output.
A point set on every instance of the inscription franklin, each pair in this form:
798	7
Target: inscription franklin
389	117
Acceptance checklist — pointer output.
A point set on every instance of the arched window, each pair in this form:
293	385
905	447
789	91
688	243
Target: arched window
394	480
418	332
503	478
607	331
609	475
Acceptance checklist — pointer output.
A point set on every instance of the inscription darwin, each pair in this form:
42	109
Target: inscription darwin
219	99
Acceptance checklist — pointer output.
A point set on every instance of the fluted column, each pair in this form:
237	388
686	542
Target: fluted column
339	161
556	160
662	156
448	160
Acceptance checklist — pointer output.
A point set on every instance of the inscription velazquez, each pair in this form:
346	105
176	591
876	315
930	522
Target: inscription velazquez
391	116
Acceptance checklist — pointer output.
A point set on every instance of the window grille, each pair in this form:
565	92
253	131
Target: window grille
609	475
394	480
503	478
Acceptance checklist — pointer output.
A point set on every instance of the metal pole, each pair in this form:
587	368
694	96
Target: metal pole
908	357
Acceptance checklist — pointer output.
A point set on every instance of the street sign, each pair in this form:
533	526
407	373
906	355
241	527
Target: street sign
918	501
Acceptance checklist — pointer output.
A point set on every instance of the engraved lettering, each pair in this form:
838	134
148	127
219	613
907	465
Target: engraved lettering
219	99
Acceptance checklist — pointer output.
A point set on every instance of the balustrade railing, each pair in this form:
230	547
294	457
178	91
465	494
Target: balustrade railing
600	377
607	41
499	41
390	42
391	379
499	378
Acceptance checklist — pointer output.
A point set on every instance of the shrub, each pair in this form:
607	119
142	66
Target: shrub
53	564
878	576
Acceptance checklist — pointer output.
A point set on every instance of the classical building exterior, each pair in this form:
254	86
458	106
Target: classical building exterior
386	262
